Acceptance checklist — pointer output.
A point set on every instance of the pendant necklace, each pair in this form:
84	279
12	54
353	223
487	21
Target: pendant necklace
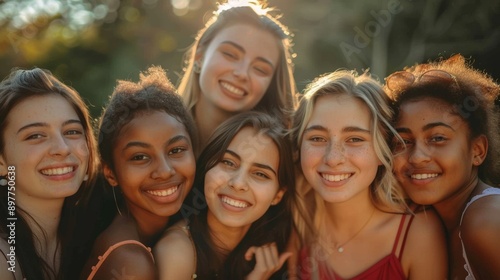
340	248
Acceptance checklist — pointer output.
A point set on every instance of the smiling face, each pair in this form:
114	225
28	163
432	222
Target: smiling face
154	164
438	160
45	141
337	151
242	186
238	67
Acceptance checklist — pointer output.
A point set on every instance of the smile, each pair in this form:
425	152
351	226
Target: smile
336	178
57	171
234	203
163	193
424	176
232	89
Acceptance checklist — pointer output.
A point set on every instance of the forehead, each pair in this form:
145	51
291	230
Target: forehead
255	146
428	110
45	108
254	40
152	124
340	109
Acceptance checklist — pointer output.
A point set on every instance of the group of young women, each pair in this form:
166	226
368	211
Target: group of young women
233	175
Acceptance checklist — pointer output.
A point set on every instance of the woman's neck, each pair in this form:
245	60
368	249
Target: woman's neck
450	210
224	237
347	217
43	217
207	118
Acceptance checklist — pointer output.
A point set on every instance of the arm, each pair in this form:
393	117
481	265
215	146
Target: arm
267	261
480	234
425	255
175	256
129	261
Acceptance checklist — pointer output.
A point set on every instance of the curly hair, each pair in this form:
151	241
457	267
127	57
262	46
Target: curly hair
470	93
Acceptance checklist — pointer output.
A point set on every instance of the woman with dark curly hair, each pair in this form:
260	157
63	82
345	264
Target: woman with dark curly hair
446	115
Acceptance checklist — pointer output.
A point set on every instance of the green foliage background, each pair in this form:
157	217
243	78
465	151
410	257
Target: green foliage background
90	44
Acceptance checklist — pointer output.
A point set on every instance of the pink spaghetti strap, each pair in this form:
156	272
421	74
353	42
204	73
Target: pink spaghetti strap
110	250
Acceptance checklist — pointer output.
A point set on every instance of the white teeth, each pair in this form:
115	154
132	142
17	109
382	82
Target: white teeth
232	89
166	192
57	171
235	203
423	176
335	178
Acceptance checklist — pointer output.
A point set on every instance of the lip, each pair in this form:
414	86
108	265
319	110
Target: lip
233	204
423	177
232	91
59	172
164	193
335	179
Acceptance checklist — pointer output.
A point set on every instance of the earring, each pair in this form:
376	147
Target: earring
86	177
3	181
116	202
197	67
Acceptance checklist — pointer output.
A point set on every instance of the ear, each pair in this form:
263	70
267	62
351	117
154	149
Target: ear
479	148
110	176
278	197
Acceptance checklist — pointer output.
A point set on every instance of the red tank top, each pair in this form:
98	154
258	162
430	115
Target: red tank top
388	268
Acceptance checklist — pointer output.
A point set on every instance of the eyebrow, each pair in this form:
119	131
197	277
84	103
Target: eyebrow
44	124
436	124
240	48
345	129
425	127
174	139
260	165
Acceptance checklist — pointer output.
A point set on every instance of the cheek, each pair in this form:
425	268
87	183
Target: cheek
82	150
310	155
261	86
215	178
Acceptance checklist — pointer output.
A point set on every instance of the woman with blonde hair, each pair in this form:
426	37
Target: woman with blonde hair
361	226
240	61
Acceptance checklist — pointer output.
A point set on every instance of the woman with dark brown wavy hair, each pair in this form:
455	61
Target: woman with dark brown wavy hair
48	158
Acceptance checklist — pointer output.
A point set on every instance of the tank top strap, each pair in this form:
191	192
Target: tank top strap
102	258
402	231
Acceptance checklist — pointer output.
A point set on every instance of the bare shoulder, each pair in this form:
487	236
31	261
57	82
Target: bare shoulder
482	214
175	254
480	229
9	265
120	252
426	234
127	261
5	271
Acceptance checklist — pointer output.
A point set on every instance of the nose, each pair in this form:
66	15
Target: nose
238	181
59	146
335	154
163	170
241	70
419	153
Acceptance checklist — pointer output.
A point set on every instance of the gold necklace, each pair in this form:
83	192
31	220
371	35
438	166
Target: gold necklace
340	248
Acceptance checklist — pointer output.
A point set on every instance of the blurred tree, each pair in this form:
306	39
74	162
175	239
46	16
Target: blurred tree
91	43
